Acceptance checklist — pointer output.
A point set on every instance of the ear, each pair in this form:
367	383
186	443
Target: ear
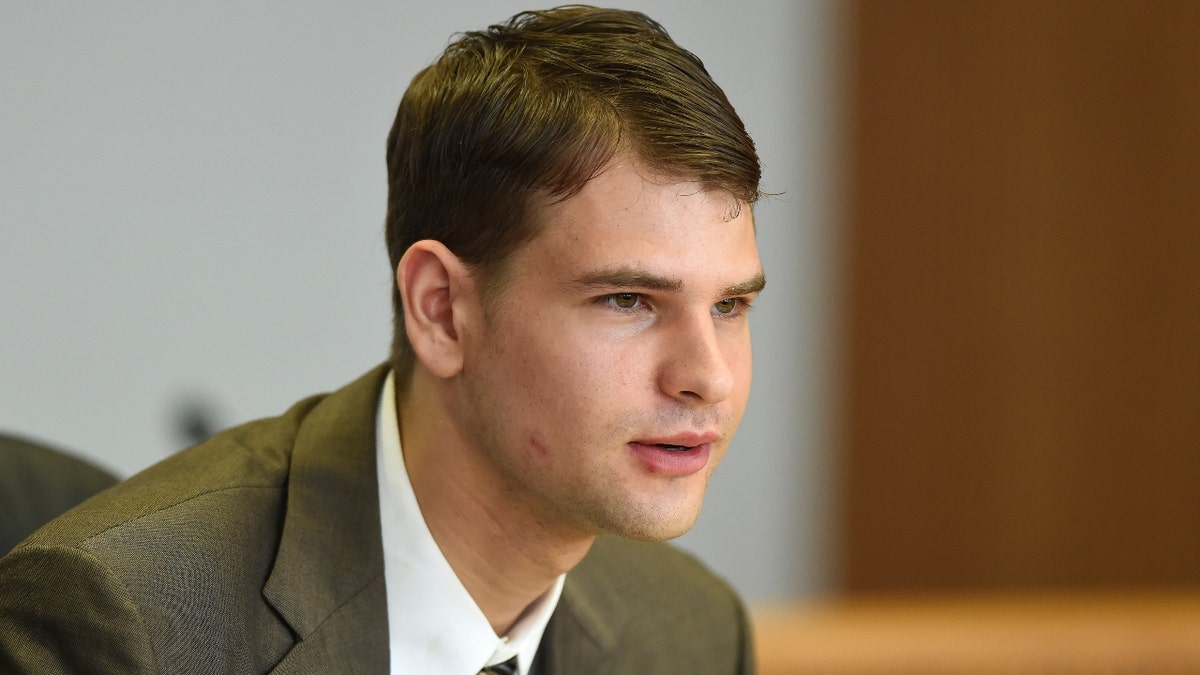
434	284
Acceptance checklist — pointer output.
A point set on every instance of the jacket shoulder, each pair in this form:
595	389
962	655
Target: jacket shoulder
253	455
650	607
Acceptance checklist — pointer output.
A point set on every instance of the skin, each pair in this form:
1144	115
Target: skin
530	418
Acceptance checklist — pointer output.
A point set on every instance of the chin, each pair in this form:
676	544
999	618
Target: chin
656	526
658	534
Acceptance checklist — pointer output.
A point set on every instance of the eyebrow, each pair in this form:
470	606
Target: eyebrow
628	277
753	285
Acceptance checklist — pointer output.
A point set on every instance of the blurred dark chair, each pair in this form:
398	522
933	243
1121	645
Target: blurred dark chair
39	483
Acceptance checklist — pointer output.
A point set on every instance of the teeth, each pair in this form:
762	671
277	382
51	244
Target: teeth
668	446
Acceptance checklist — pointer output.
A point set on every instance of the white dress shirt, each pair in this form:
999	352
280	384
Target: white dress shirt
434	626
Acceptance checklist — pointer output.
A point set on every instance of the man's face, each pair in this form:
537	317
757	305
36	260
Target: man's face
614	365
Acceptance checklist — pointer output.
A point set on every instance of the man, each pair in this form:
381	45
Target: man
570	231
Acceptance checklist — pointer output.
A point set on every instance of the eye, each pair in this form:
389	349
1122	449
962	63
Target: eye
624	300
726	306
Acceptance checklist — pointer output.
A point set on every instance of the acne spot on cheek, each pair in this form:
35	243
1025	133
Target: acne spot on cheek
538	445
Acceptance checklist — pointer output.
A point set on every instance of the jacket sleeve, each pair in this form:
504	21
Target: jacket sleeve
63	611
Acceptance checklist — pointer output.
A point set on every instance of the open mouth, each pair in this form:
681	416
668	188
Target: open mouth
672	459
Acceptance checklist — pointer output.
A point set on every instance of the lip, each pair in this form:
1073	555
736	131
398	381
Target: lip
674	463
688	438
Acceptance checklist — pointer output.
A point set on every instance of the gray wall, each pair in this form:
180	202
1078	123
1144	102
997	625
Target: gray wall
191	200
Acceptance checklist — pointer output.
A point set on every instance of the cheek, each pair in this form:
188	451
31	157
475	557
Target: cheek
575	396
544	383
740	363
560	384
744	366
574	366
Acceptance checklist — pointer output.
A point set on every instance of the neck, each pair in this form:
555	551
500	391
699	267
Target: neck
504	555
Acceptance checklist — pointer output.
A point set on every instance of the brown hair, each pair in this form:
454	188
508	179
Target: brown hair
530	110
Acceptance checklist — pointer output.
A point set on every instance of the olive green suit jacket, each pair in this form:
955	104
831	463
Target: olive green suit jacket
259	552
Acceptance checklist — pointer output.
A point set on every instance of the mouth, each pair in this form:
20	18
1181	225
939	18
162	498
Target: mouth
672	459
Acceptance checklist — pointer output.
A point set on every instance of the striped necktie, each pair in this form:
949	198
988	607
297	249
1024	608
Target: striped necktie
509	667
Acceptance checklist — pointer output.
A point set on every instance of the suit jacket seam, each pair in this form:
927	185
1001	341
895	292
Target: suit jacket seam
82	544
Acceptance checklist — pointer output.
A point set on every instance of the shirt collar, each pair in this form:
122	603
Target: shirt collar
434	626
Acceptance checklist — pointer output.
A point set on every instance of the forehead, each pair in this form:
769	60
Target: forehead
627	193
630	216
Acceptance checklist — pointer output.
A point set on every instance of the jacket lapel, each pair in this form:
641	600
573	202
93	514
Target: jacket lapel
327	582
582	634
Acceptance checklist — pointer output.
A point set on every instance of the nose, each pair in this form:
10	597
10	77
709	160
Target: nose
695	368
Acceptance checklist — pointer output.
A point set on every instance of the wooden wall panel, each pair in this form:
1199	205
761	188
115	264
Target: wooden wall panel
1023	335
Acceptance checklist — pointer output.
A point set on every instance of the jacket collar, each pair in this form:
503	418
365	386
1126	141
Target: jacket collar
583	629
327	581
